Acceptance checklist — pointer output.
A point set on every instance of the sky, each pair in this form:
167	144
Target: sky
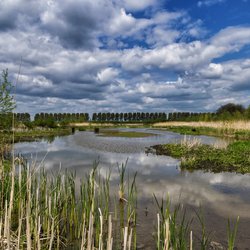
126	55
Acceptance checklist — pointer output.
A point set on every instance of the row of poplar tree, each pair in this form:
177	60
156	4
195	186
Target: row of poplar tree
123	117
116	117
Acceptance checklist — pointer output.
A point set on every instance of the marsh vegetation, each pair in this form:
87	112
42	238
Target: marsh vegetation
39	211
234	157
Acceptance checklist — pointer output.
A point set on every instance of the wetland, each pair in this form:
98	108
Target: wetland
220	195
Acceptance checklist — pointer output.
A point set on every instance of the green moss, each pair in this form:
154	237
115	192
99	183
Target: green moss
234	158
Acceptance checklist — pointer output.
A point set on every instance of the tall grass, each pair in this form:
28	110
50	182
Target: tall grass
190	142
173	227
223	125
55	212
41	211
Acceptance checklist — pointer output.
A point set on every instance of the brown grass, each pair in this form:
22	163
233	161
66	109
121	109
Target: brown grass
235	125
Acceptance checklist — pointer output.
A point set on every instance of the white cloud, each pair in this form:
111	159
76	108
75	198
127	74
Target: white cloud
213	70
122	23
188	56
209	2
87	51
139	5
160	36
232	38
108	75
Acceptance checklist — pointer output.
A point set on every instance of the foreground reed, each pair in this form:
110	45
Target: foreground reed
41	211
51	212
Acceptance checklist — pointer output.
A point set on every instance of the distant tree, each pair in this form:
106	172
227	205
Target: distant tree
117	117
247	112
94	117
138	116
73	117
99	116
59	117
134	116
230	108
130	116
164	116
121	117
108	116
156	116
86	116
104	117
125	117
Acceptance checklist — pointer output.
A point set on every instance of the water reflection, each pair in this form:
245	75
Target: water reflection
222	195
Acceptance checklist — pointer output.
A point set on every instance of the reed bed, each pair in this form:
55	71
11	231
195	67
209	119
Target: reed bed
225	125
44	211
190	142
40	211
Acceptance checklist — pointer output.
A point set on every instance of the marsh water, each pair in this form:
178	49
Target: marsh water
220	196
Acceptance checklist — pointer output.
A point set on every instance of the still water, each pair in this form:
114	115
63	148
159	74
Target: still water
220	196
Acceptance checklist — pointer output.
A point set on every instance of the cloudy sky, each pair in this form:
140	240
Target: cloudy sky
126	55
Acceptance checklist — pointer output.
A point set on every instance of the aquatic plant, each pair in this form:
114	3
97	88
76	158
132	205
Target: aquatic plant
231	233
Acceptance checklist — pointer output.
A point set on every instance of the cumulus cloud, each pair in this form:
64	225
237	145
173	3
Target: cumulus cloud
82	53
75	23
17	13
107	75
139	5
214	70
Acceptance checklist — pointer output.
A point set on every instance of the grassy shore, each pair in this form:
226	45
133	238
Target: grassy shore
32	134
234	157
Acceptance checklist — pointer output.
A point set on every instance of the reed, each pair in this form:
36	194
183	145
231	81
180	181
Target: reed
223	125
190	142
173	227
231	233
54	212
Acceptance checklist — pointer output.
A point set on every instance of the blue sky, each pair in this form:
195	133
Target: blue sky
126	55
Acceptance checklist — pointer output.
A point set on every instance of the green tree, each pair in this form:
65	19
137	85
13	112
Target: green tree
231	108
7	103
247	112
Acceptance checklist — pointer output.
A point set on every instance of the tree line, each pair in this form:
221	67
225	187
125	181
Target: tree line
229	111
129	117
52	119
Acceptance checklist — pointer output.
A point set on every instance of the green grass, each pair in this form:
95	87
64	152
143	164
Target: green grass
33	134
129	134
234	158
